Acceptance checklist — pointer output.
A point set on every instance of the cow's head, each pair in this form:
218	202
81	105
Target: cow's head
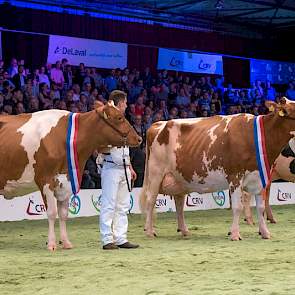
116	130
285	108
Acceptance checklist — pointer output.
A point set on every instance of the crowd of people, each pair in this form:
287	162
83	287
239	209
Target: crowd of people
151	97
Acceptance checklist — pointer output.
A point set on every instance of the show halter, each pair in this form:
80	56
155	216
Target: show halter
72	155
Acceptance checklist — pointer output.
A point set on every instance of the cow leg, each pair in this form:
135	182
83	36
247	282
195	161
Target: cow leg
179	204
269	214
51	214
63	209
246	200
260	207
150	205
268	210
237	208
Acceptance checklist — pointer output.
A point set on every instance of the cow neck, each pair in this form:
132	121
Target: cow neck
277	134
89	136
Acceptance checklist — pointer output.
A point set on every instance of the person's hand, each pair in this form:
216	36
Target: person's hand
133	174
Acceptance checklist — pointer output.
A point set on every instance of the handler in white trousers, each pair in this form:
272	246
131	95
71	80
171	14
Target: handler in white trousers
115	199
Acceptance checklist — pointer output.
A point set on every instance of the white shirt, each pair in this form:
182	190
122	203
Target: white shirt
117	154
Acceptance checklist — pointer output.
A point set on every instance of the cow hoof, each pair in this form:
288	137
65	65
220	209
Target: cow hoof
249	221
67	245
184	232
51	247
150	234
265	235
272	220
236	237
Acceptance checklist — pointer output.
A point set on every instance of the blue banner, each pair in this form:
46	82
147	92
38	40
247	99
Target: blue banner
189	62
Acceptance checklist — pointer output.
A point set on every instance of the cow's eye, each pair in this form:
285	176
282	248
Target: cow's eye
120	118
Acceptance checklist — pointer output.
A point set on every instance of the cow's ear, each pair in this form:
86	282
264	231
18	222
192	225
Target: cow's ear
98	105
271	105
286	108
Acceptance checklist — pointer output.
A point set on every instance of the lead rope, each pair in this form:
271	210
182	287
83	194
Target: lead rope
125	166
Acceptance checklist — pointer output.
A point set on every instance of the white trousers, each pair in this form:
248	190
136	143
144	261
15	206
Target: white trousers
115	203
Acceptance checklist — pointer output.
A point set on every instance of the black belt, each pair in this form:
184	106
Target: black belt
109	161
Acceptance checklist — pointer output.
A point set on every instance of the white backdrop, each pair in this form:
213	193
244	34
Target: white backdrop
95	53
87	203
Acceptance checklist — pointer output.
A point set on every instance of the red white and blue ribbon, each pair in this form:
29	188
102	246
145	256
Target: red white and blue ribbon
72	156
260	150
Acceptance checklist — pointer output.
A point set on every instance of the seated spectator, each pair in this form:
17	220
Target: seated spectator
163	108
135	91
33	105
158	117
204	85
82	104
192	111
213	110
290	93
111	82
182	99
91	178
7	109
19	108
204	113
93	96
68	77
98	80
86	89
216	101
88	79
13	68
76	92
130	113
57	76
204	102
269	93
183	114
196	94
139	128
147	121
55	90
173	113
19	79
229	94
139	106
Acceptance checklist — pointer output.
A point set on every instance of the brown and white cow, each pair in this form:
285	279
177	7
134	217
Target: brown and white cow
33	155
283	168
210	154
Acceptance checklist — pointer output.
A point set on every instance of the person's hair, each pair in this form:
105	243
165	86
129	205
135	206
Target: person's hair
116	96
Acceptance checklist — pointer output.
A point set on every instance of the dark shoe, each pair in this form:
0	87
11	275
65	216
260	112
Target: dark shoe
110	246
128	245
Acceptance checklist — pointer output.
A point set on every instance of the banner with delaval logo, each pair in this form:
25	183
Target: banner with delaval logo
189	62
87	202
94	53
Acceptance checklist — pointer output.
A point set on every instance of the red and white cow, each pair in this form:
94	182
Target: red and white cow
210	154
33	155
283	168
